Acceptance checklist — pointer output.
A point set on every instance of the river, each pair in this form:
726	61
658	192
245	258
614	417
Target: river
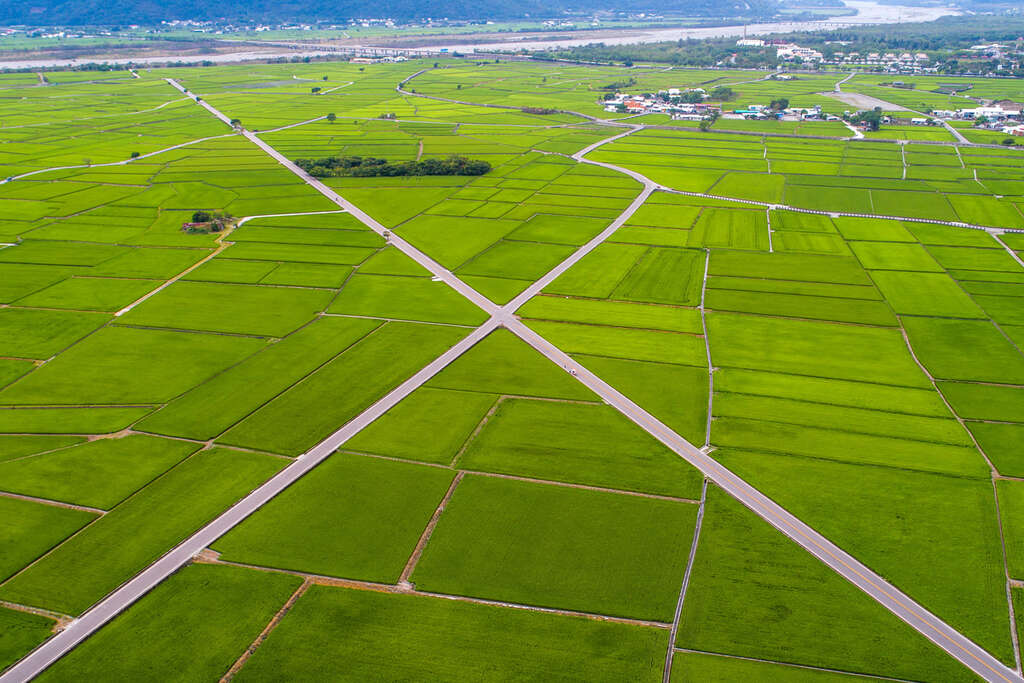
867	13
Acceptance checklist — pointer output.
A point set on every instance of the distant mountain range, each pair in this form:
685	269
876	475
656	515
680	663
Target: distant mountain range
123	12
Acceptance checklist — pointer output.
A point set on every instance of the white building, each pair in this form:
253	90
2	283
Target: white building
996	113
789	52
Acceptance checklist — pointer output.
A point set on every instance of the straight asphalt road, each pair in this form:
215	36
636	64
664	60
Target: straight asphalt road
936	630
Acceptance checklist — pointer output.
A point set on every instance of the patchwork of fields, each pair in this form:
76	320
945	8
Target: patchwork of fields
839	323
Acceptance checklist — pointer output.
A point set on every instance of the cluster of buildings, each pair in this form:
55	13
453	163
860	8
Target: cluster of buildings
210	27
57	34
904	62
997	50
669	101
1005	116
783	51
377	60
889	61
558	23
997	112
760	112
790	52
988	58
216	28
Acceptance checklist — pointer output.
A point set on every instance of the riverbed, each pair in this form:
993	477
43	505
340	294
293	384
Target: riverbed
868	12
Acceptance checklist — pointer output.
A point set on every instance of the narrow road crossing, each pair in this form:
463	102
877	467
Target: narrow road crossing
956	133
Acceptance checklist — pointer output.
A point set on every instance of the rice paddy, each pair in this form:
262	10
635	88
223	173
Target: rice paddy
837	321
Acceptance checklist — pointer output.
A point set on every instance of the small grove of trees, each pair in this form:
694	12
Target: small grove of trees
207	221
135	155
692	97
332	117
706	124
539	110
779	104
722	93
332	167
619	85
236	123
871	119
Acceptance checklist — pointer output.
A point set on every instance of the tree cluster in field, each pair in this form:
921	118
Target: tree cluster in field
539	110
692	97
615	86
871	119
722	93
208	221
365	167
706	124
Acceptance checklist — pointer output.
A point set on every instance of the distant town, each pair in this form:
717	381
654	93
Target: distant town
689	104
1002	56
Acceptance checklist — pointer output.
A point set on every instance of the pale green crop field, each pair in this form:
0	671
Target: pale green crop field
837	321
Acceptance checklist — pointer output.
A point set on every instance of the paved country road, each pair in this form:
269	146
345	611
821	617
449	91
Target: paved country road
944	636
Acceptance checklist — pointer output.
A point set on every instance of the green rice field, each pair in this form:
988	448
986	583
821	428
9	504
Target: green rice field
479	427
